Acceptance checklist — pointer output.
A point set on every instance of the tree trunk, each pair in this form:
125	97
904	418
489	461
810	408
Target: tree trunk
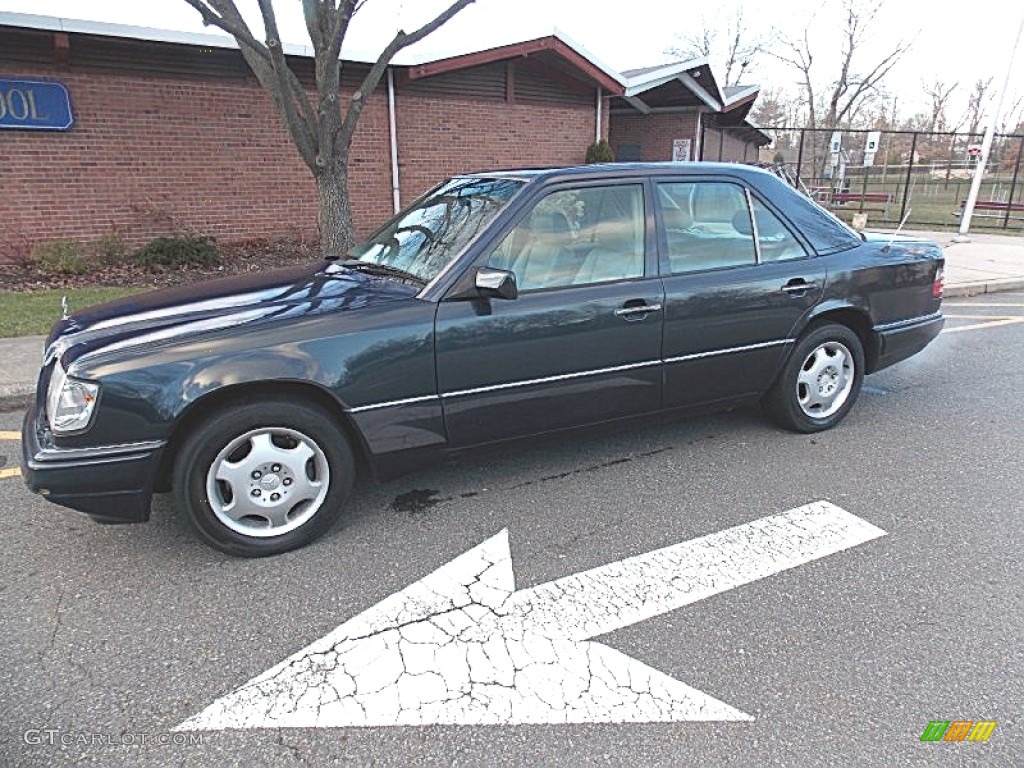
335	212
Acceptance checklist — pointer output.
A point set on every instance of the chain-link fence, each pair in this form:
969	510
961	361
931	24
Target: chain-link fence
891	175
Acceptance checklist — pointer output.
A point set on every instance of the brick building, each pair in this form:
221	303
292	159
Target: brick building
172	133
678	112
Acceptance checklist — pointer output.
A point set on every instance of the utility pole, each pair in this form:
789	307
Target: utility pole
986	145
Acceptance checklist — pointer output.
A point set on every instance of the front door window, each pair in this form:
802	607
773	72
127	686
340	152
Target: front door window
577	237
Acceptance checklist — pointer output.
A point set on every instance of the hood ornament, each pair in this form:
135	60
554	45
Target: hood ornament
65	308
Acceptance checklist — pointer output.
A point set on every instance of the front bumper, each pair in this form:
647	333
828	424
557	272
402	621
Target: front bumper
110	483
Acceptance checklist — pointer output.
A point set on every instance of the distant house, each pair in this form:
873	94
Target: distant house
171	132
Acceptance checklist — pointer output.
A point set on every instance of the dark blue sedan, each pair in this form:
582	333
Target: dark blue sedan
500	305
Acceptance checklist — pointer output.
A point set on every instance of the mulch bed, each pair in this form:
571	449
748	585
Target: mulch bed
236	259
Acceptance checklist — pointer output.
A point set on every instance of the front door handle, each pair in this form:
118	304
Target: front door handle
798	286
638	309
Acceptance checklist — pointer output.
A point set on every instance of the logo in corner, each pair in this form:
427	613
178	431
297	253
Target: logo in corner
958	730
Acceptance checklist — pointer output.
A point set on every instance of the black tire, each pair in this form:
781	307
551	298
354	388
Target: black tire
790	404
319	485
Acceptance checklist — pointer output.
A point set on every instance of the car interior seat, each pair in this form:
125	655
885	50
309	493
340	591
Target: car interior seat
616	255
546	261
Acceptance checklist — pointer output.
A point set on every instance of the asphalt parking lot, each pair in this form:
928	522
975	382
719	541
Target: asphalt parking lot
113	636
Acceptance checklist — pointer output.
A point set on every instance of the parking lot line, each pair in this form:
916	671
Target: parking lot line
12	472
989	324
10	435
980	305
981	317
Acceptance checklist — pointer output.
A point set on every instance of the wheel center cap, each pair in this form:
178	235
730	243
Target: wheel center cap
270	482
827	381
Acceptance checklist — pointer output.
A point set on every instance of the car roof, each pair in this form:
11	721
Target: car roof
622	169
824	232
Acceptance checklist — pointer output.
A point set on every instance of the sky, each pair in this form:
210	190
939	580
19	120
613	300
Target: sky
947	43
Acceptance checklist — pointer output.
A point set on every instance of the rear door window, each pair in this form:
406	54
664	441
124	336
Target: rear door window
707	226
775	240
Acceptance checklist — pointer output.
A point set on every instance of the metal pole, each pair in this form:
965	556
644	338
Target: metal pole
1013	184
396	190
800	157
864	186
906	183
986	145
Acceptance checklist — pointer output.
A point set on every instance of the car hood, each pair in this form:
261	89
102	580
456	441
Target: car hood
176	312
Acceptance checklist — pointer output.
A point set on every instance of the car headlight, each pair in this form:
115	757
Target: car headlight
69	402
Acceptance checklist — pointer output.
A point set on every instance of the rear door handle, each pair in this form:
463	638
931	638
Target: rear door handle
799	285
639	309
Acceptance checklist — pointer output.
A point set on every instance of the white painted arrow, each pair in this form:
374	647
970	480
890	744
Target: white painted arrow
463	646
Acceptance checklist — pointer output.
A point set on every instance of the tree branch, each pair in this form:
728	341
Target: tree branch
373	77
871	79
338	31
239	31
299	112
271	70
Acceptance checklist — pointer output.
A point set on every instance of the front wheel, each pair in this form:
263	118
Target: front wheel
264	477
821	381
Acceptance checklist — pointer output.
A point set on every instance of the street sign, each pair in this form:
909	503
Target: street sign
35	105
680	150
464	646
871	147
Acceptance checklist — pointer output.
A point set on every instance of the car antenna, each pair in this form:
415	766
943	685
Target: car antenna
894	234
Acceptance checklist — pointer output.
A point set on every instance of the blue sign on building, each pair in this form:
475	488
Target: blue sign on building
35	105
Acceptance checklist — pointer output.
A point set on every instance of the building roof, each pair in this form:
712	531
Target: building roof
550	38
557	44
648	86
642	70
672	85
738	95
692	84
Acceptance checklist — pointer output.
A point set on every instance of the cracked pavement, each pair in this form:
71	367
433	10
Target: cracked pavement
843	660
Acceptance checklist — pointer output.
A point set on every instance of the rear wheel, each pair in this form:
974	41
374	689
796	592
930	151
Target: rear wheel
264	477
821	381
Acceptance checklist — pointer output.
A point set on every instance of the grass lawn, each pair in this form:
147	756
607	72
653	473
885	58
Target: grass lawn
33	312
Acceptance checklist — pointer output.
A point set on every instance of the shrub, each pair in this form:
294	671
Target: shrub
59	257
178	252
110	249
600	152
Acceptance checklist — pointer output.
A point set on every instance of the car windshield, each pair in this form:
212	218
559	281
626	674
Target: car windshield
424	238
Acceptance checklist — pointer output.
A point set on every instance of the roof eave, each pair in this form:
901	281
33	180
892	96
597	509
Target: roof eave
556	43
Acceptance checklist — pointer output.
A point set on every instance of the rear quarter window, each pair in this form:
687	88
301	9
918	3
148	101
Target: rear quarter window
825	233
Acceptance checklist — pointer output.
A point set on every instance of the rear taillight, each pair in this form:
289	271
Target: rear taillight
937	285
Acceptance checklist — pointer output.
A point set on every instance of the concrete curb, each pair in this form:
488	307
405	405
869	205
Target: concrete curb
984	286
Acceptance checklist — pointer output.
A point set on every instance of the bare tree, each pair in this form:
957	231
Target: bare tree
771	110
322	134
853	83
938	92
976	104
737	51
797	53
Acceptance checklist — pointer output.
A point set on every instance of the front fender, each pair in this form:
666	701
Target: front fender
359	358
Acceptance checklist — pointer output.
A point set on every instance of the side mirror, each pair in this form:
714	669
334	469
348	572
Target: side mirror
496	282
